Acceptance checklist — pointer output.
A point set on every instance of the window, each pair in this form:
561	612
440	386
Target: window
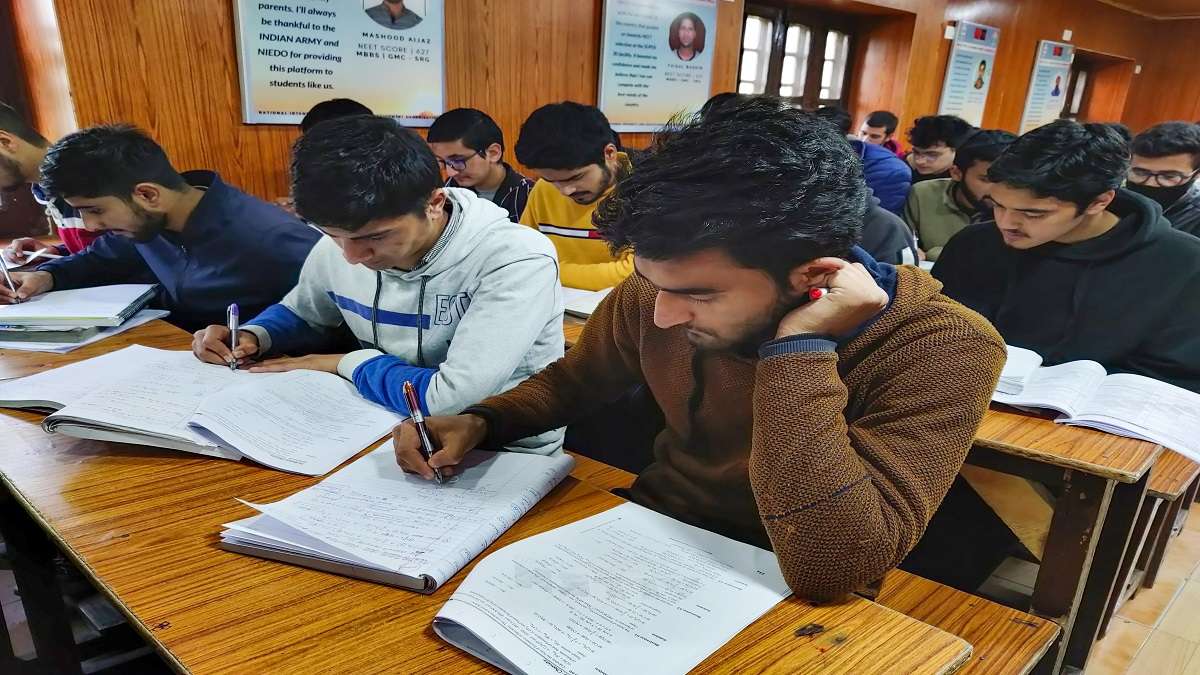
800	55
1077	89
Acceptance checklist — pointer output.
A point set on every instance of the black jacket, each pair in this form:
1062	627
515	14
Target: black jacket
512	193
886	236
1184	214
1129	299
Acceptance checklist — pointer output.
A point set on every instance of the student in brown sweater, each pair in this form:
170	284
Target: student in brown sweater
828	430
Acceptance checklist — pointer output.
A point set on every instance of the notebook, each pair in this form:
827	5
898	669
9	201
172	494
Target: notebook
372	521
80	307
34	344
582	303
304	421
1122	404
626	590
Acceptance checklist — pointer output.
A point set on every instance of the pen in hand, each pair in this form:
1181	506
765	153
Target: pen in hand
231	318
414	408
8	280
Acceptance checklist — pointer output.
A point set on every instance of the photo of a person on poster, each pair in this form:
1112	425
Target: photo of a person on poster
686	36
393	14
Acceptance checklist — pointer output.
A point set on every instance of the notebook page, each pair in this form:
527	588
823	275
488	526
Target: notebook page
67	384
627	586
99	305
1020	365
582	303
304	421
1065	387
373	511
1154	410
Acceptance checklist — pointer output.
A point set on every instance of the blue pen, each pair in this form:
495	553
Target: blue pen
231	318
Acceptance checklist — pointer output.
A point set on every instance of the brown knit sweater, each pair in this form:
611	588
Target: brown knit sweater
836	460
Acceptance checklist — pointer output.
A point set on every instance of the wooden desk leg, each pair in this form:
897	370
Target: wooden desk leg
1115	535
1139	539
32	557
1070	545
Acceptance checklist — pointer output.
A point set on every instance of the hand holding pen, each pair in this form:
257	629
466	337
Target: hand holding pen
414	408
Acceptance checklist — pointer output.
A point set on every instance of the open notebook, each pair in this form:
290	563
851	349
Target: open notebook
582	303
80	307
1121	404
304	421
372	521
626	590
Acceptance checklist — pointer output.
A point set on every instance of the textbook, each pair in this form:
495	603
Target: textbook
1122	404
35	340
626	590
80	307
373	521
582	303
303	421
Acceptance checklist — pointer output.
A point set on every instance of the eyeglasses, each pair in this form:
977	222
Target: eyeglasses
457	163
1160	178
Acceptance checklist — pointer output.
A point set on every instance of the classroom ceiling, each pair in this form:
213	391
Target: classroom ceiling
1161	9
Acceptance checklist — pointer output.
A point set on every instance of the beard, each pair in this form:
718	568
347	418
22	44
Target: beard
752	335
11	176
149	225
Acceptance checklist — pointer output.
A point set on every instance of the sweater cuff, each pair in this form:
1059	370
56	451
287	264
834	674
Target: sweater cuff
264	338
490	418
354	359
796	344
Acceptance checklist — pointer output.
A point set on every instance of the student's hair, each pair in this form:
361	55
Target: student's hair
1125	131
565	135
772	186
12	122
1169	138
348	172
331	110
1065	160
106	161
697	43
472	127
885	119
933	129
717	103
836	116
982	145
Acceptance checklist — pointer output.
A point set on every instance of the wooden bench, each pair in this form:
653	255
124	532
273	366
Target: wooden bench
1003	640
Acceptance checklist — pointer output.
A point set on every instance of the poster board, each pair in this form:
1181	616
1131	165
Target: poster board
1048	84
655	60
969	71
293	54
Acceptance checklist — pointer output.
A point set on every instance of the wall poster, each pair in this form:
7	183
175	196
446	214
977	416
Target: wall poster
1048	85
969	71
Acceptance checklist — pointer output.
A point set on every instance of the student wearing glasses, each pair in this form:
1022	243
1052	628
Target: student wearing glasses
470	147
1166	160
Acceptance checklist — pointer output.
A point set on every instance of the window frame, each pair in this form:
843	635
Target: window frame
819	24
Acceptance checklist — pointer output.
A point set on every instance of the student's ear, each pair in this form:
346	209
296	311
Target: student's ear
437	202
610	152
1100	203
956	173
812	274
8	142
149	196
494	153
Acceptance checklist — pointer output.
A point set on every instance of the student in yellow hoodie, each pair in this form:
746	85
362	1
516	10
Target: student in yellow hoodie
573	148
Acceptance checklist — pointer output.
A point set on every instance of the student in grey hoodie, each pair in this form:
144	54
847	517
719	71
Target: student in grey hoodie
438	286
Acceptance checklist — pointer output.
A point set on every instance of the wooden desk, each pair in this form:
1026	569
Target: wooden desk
572	328
143	524
1100	480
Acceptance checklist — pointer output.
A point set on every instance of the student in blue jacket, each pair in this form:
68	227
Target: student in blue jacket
207	244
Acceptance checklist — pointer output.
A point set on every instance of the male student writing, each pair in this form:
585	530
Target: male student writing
1075	267
438	285
22	150
1166	161
571	146
470	145
206	243
828	430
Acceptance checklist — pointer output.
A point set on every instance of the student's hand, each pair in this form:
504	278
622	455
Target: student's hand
921	255
28	285
18	251
323	362
211	345
452	438
853	299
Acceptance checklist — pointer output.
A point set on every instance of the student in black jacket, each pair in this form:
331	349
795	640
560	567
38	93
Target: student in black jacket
1075	267
1166	161
470	147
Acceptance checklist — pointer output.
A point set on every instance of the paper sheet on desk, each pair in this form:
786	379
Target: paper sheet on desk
143	317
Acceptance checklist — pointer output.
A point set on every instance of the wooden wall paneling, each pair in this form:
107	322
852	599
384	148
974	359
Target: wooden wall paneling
880	65
1168	87
13	88
41	55
1107	92
926	62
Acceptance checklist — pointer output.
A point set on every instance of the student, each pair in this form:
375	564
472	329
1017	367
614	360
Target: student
886	174
1166	160
933	140
332	109
880	129
937	209
1075	267
392	14
438	285
470	146
206	243
22	149
571	146
827	430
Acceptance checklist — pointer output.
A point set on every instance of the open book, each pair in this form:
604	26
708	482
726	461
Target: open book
80	307
372	521
1121	404
582	303
303	421
627	590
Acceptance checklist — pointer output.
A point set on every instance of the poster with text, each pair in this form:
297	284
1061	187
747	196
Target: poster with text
386	54
655	60
969	71
1048	86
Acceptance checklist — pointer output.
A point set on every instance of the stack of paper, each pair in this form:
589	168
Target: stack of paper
1019	367
59	321
582	303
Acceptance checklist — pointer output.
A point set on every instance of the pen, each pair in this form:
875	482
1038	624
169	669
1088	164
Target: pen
414	407
8	280
231	317
41	253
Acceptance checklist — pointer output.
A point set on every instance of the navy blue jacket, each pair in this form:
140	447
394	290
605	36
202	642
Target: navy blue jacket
233	248
888	176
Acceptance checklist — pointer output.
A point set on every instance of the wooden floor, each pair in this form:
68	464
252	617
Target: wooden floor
1158	632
